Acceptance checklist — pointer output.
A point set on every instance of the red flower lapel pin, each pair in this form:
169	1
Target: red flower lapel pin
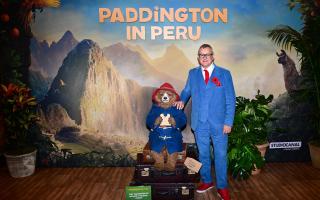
216	81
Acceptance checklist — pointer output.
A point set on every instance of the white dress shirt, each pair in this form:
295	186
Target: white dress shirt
209	69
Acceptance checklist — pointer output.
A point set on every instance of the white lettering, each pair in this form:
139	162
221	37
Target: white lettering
285	145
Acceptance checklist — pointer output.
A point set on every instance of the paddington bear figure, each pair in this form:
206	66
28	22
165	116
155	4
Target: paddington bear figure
165	123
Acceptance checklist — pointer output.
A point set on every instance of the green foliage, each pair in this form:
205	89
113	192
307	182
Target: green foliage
44	145
243	158
64	158
18	109
249	129
307	8
285	36
10	63
252	117
10	67
49	155
307	45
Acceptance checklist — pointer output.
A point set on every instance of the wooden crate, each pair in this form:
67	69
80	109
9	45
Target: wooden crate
146	173
171	191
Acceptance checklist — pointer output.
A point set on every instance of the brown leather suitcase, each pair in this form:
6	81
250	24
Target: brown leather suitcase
145	172
171	191
147	154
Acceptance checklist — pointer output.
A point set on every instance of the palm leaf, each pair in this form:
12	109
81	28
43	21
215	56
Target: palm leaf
286	37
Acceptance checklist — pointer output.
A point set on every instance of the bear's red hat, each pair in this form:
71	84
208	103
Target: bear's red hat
165	86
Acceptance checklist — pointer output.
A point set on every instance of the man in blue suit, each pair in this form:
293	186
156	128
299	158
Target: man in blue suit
213	107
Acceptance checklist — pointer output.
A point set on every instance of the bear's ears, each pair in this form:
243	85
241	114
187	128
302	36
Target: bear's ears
166	87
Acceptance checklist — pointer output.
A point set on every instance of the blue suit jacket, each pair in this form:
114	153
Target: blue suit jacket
222	99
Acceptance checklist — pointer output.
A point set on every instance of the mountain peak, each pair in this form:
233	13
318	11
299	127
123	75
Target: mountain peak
86	44
172	46
68	36
44	44
135	47
117	45
139	49
173	50
173	62
118	48
48	58
66	40
87	47
86	56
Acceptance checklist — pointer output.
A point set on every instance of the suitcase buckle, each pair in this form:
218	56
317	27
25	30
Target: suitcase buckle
145	172
191	171
184	190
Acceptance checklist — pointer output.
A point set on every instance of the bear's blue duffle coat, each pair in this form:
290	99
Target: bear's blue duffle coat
169	137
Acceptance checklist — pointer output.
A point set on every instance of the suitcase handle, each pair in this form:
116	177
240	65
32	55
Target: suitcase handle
163	193
165	173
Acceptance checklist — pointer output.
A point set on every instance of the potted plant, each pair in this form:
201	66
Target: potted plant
18	110
249	131
307	45
260	117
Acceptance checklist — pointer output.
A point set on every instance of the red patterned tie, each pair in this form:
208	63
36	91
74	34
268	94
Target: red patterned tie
206	76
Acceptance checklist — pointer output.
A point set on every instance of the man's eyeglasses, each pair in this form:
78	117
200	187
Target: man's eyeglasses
205	55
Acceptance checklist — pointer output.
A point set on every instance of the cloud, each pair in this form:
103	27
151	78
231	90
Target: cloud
238	52
51	24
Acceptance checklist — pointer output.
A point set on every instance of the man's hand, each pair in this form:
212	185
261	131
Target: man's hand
179	105
226	129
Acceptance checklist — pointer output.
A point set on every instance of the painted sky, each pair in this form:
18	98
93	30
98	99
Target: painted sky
240	45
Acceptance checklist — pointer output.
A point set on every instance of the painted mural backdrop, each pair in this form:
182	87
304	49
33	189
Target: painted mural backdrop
94	77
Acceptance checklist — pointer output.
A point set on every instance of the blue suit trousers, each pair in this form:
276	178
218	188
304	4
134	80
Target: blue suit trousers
203	133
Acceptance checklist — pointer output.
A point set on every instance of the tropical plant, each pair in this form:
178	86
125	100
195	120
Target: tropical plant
18	109
243	158
250	128
254	115
307	45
